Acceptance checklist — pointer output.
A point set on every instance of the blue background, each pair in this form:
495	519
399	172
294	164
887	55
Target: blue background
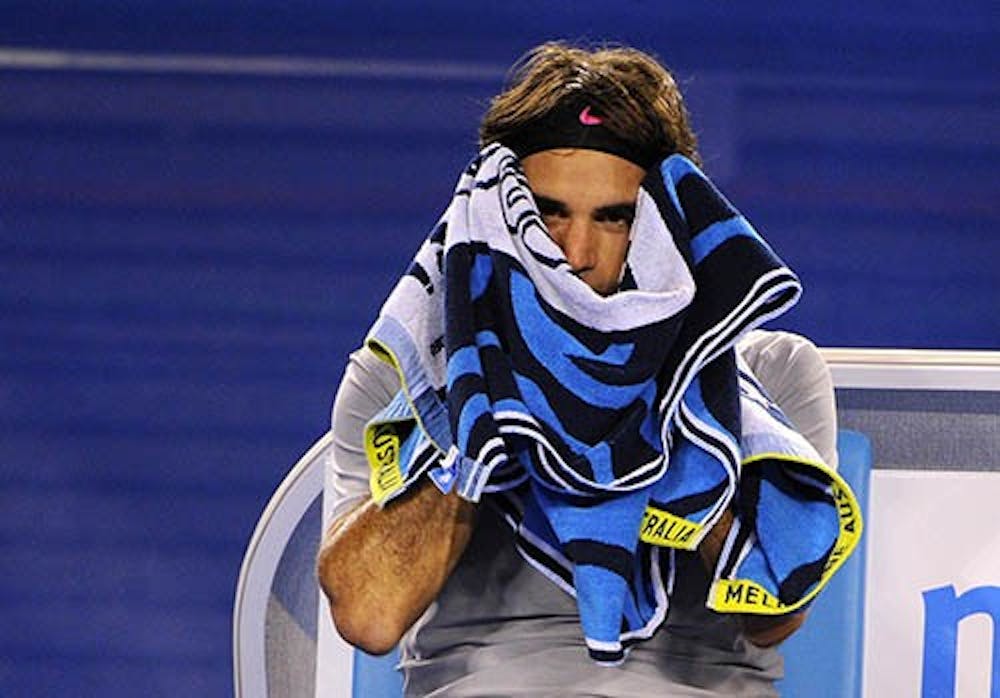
192	242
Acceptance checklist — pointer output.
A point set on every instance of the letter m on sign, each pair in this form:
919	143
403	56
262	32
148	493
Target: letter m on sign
942	612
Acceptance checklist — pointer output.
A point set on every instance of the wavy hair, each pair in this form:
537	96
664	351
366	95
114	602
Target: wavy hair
638	97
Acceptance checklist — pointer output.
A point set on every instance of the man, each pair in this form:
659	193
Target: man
440	571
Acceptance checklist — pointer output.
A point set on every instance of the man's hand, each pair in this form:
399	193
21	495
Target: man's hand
768	631
763	631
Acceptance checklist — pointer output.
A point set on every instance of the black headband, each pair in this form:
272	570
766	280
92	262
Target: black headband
576	123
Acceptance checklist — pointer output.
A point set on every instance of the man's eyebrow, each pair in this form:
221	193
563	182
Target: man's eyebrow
622	210
547	204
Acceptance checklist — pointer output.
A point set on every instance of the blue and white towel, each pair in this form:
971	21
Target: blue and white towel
619	415
797	520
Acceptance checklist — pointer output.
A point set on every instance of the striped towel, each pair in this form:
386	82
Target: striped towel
616	418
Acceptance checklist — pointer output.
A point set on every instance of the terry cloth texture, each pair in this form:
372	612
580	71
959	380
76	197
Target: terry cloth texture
615	417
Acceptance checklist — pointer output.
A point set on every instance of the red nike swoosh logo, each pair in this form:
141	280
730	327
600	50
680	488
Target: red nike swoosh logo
588	119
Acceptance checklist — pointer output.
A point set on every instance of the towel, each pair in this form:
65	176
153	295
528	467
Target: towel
768	567
617	418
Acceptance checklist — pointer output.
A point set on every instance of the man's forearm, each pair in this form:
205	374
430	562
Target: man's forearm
381	568
763	631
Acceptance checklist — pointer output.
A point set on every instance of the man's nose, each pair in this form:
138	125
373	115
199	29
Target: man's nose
577	244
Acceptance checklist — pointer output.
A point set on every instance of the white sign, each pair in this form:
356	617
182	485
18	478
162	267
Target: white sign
932	614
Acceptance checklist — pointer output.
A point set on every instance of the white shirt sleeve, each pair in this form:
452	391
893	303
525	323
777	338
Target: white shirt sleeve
369	384
792	370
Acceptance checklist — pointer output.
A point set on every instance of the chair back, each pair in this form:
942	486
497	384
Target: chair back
277	599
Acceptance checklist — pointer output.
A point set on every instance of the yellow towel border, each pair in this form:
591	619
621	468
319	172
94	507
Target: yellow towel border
383	440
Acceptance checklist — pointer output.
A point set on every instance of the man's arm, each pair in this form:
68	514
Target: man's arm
382	568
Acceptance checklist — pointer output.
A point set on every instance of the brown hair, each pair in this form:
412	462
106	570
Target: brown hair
639	98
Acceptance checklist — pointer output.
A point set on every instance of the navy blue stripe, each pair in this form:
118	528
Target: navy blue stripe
692	504
599	554
702	202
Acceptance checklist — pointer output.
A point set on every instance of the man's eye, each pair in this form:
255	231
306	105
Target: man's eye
624	219
554	221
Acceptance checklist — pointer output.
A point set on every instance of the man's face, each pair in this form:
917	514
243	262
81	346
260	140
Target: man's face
587	200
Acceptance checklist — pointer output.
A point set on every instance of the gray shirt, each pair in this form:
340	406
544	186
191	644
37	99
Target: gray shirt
500	628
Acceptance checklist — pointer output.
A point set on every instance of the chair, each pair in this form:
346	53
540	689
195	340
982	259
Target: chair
280	625
279	620
277	602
